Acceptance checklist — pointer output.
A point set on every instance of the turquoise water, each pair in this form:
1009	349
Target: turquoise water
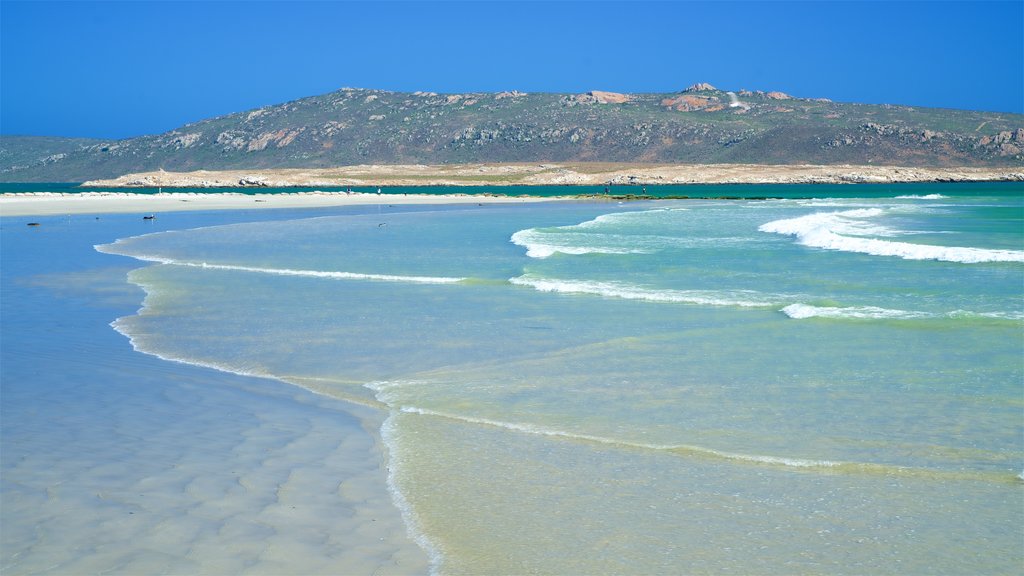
824	385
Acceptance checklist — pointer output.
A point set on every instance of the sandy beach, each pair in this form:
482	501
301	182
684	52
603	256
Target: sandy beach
51	203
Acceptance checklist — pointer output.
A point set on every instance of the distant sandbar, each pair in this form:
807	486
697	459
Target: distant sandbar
51	203
556	174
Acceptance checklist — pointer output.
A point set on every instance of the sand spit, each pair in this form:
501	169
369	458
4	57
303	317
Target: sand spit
51	203
579	174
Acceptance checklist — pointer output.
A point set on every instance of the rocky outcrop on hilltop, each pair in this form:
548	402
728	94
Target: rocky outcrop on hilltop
607	97
595	97
688	103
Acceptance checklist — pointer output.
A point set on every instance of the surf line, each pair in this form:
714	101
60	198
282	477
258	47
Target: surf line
306	273
793	464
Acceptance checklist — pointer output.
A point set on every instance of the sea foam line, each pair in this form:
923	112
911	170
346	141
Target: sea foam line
305	273
701	451
741	298
118	327
679	448
800	311
827	230
413	525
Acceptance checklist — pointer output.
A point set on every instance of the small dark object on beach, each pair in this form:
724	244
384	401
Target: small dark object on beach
150	217
33	223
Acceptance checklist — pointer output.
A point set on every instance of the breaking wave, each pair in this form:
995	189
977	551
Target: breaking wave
742	298
802	311
844	231
541	244
588	238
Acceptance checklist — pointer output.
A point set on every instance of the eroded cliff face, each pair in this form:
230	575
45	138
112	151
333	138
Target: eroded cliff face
700	124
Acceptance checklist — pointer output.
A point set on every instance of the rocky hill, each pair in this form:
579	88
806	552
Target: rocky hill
699	125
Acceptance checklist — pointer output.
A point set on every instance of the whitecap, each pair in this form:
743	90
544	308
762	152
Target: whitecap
801	311
539	244
1019	315
741	298
843	230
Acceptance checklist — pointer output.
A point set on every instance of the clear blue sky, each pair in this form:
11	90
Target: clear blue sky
120	69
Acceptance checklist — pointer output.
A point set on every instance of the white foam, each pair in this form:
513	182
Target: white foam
307	273
706	452
802	311
742	298
118	327
924	197
684	448
539	245
412	522
544	242
598	221
1019	315
842	230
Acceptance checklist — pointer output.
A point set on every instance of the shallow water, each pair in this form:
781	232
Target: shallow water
113	461
829	385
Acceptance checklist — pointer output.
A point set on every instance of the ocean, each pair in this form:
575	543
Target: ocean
827	381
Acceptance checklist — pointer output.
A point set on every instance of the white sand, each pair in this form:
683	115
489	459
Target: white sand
52	203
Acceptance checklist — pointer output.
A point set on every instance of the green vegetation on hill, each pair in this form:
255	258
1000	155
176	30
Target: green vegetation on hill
698	125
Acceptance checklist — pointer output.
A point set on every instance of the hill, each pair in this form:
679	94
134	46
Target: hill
699	125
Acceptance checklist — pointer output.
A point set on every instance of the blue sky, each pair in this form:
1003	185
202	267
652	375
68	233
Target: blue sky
120	69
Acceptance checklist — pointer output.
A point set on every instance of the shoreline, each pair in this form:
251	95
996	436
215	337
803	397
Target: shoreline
557	174
56	203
